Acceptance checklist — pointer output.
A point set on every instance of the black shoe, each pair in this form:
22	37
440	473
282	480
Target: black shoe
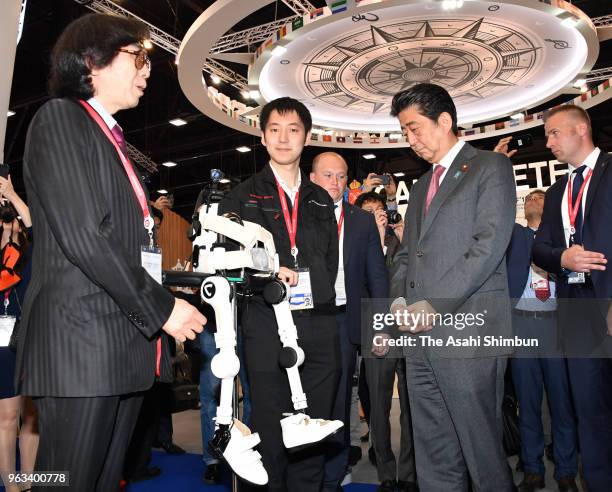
531	482
407	486
171	448
365	437
354	455
386	486
567	484
212	474
146	474
372	456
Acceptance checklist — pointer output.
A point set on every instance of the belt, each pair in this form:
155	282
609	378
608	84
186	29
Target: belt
535	314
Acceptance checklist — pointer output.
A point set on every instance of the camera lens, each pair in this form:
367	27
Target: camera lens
393	216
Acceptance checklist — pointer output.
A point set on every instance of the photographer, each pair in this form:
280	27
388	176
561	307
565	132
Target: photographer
388	221
14	246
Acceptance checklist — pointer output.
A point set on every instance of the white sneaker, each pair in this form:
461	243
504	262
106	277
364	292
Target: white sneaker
299	429
242	458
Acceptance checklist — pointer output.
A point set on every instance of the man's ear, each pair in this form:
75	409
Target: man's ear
307	139
445	121
582	129
263	138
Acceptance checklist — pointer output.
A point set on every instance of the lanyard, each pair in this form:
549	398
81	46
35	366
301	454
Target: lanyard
134	181
290	223
340	220
573	210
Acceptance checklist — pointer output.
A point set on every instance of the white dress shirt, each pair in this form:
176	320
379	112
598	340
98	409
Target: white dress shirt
292	192
340	286
105	115
590	162
448	159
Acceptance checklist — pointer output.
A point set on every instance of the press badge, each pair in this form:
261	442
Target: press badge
301	294
576	278
151	260
7	323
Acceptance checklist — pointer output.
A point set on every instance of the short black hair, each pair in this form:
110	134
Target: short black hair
89	42
284	105
431	100
369	196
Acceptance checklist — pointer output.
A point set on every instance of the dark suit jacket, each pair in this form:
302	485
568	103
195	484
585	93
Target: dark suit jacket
365	273
518	260
596	234
454	256
92	313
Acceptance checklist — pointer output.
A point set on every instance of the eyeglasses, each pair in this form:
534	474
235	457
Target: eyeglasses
142	58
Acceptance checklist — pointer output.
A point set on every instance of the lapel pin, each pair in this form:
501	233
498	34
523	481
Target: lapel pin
464	168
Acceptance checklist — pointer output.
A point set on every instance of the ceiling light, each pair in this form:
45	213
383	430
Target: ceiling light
569	22
162	191
584	88
279	50
254	94
215	79
9	113
369	156
580	83
178	122
169	164
224	180
517	116
147	44
399	175
243	149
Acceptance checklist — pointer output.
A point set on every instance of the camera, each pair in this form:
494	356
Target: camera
384	179
393	217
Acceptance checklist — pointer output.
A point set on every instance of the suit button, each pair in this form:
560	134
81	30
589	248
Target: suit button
419	253
412	285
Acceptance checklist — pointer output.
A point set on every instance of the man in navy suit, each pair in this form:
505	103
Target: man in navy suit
361	270
574	241
535	316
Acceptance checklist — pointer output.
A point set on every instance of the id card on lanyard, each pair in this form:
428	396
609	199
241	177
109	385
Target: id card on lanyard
300	296
150	256
572	210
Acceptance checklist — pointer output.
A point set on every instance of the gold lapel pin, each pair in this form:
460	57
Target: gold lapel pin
464	168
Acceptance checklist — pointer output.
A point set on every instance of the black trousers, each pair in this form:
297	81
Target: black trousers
271	397
86	437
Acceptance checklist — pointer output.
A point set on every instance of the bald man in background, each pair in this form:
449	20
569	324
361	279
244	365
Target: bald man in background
361	273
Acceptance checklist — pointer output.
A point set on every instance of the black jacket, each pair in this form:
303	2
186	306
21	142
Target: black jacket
256	200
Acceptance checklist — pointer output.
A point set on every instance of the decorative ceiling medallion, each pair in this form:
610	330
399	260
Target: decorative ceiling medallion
495	59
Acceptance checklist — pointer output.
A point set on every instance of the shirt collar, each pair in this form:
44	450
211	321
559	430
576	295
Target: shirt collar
283	183
105	115
448	159
591	159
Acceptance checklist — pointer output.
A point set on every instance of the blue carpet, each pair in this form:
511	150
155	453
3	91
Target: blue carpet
183	473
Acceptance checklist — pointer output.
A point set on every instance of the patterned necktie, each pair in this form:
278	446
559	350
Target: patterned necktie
434	185
577	183
118	135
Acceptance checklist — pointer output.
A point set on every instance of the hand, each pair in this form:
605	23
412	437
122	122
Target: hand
577	259
398	230
380	217
502	147
371	182
381	347
390	188
416	316
6	188
161	203
288	275
184	322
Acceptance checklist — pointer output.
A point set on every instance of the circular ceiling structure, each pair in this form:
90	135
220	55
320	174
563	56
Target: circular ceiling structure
346	62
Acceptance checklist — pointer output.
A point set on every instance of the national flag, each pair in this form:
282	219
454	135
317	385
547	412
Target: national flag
467	133
529	117
340	139
500	125
338	6
314	137
297	23
316	13
327	138
606	85
584	96
357	140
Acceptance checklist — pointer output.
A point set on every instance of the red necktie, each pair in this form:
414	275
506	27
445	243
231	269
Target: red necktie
434	184
118	135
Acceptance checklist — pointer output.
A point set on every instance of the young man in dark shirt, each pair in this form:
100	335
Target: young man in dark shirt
300	217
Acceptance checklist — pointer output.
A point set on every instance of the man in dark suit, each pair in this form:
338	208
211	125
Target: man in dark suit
574	241
361	272
93	314
451	267
534	369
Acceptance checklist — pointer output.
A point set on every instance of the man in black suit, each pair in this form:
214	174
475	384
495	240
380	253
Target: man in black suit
361	272
574	241
533	369
93	314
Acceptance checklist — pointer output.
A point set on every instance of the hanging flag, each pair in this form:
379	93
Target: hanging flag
338	6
